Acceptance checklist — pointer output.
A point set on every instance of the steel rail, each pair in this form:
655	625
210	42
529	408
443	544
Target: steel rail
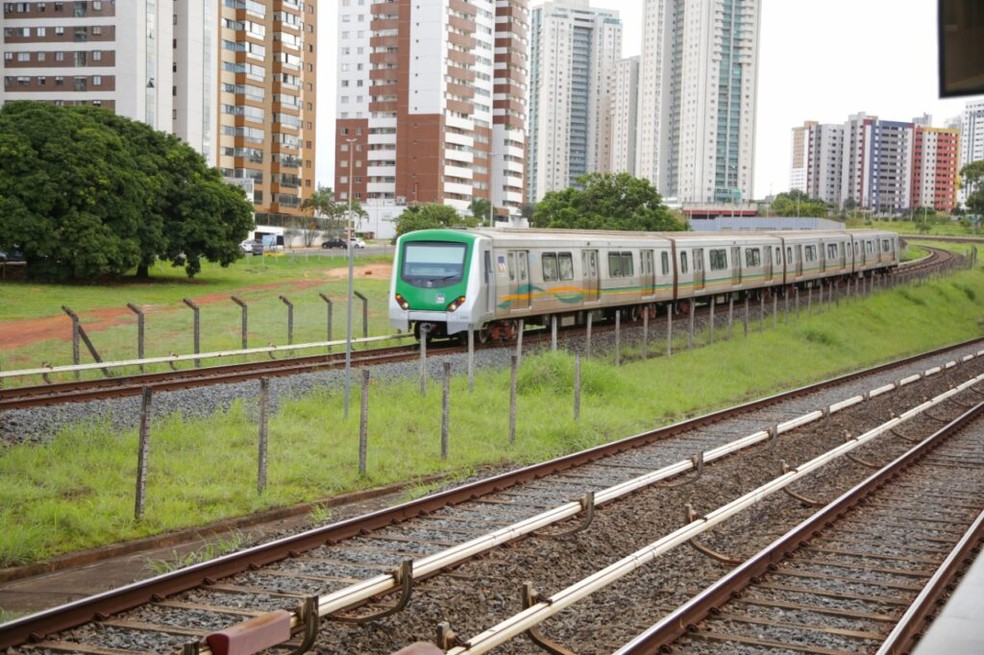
659	636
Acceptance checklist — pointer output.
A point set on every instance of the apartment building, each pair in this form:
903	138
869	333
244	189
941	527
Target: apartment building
235	79
117	55
574	57
886	167
624	118
971	137
698	98
430	105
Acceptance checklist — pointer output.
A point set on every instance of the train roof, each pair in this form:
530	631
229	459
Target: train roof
564	237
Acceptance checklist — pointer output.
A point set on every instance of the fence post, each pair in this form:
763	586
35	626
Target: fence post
143	451
261	477
513	374
79	333
577	386
328	301
197	336
618	337
669	329
365	314
690	324
745	318
290	320
446	410
424	331
364	423
553	333
519	340
645	332
140	331
244	322
587	349
710	334
471	360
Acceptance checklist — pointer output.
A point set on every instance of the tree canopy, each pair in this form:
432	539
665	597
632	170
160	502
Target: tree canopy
606	201
86	194
425	216
797	203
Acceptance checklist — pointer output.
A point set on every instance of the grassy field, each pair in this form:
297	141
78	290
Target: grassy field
78	491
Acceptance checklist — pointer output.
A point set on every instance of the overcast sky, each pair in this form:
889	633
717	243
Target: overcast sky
819	60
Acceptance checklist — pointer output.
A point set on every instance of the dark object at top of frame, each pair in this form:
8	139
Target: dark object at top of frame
961	54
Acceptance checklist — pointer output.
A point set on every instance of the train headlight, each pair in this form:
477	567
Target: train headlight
402	302
456	303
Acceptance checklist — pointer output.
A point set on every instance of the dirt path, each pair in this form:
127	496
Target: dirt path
20	333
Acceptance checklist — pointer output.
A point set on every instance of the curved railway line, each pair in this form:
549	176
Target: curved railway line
579	529
81	390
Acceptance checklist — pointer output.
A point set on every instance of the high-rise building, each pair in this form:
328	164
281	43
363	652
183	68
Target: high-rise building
971	137
430	105
117	55
574	56
625	105
698	98
235	80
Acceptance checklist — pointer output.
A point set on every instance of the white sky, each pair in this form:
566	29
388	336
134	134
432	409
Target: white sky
819	60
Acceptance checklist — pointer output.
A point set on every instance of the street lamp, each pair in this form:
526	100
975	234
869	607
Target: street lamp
348	317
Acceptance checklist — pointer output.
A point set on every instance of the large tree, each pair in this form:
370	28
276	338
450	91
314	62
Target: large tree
86	194
606	201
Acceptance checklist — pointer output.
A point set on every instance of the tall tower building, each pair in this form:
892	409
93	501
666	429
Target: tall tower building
235	80
574	57
698	95
625	104
91	52
935	153
430	105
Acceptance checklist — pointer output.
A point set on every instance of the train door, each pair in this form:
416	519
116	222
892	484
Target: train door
589	264
799	260
735	265
698	269
767	264
648	281
521	291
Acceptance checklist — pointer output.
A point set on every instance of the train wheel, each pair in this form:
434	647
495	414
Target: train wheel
484	334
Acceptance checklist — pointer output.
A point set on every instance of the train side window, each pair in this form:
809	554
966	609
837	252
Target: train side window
683	263
511	259
627	269
869	247
549	266
779	256
810	253
886	246
789	254
565	265
664	259
719	259
614	265
753	257
831	251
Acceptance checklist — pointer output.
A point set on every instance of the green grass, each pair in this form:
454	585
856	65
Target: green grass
78	491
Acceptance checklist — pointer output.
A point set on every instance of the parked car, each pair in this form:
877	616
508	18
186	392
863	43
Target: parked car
11	257
333	242
252	246
358	243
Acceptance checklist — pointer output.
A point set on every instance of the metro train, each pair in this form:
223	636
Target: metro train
447	281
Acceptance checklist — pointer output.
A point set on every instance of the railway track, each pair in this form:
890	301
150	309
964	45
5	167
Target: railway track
524	525
861	576
119	386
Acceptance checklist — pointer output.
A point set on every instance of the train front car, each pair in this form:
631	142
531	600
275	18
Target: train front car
436	283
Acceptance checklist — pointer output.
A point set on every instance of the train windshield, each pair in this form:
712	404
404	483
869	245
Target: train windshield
433	263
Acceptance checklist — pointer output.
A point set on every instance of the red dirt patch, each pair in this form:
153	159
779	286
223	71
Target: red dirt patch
19	333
